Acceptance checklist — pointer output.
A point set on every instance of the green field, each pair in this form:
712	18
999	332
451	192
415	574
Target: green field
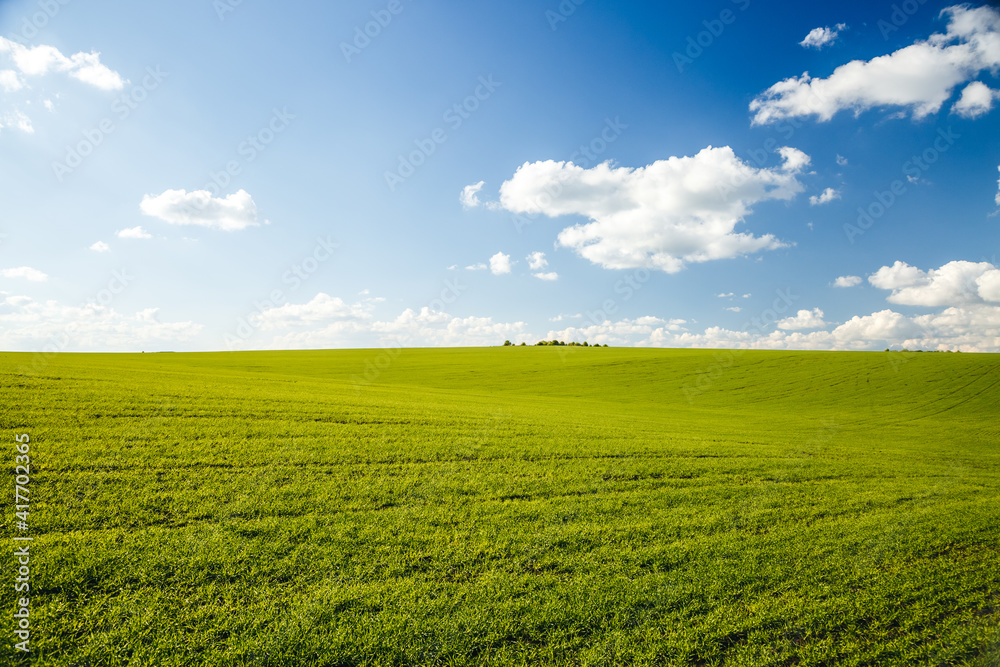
508	506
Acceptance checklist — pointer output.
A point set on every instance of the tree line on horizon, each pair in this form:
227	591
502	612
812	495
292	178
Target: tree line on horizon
507	343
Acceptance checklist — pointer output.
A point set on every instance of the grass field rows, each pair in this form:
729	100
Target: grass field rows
508	506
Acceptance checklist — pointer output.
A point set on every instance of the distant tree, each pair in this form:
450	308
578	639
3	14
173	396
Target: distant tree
507	343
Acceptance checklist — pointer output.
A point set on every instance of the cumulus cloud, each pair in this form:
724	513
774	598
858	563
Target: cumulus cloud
500	264
642	331
841	160
919	78
327	321
824	197
100	246
885	325
975	328
430	327
132	233
735	309
322	308
26	273
661	216
956	283
10	81
470	195
970	322
42	59
820	37
976	100
537	261
847	281
550	275
988	285
973	325
476	267
234	212
26	324
804	319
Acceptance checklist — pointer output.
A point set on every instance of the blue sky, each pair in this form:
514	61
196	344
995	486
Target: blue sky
238	175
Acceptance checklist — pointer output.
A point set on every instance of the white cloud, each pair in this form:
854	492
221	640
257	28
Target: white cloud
954	284
25	272
327	321
900	274
735	309
500	264
724	295
841	160
17	119
920	77
975	329
976	100
820	37
642	331
100	246
470	195
988	285
342	325
322	308
26	324
476	267
804	319
537	261
551	275
972	326
997	198
234	212
133	233
661	216
10	81
428	327
824	197
885	325
847	281
42	59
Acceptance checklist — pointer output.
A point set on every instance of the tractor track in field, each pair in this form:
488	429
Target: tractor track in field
956	391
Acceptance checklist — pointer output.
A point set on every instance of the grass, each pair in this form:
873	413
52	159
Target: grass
509	506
